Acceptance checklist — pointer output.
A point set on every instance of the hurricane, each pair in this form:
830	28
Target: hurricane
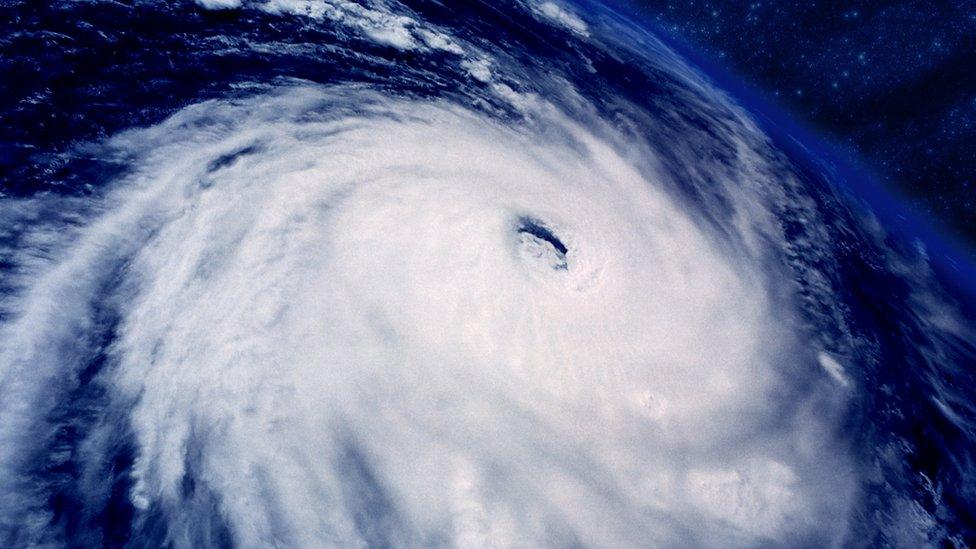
506	274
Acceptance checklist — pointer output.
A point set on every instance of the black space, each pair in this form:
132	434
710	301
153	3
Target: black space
892	82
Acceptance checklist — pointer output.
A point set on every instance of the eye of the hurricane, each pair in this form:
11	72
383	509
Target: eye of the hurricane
539	244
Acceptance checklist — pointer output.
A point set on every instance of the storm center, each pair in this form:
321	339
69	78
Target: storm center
538	243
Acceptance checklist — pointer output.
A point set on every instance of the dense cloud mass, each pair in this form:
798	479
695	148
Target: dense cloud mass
311	314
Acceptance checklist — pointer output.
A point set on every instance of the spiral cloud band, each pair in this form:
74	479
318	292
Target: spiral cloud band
511	311
393	321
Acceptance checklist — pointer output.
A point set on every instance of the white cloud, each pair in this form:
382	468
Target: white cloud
330	306
562	17
479	69
219	4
